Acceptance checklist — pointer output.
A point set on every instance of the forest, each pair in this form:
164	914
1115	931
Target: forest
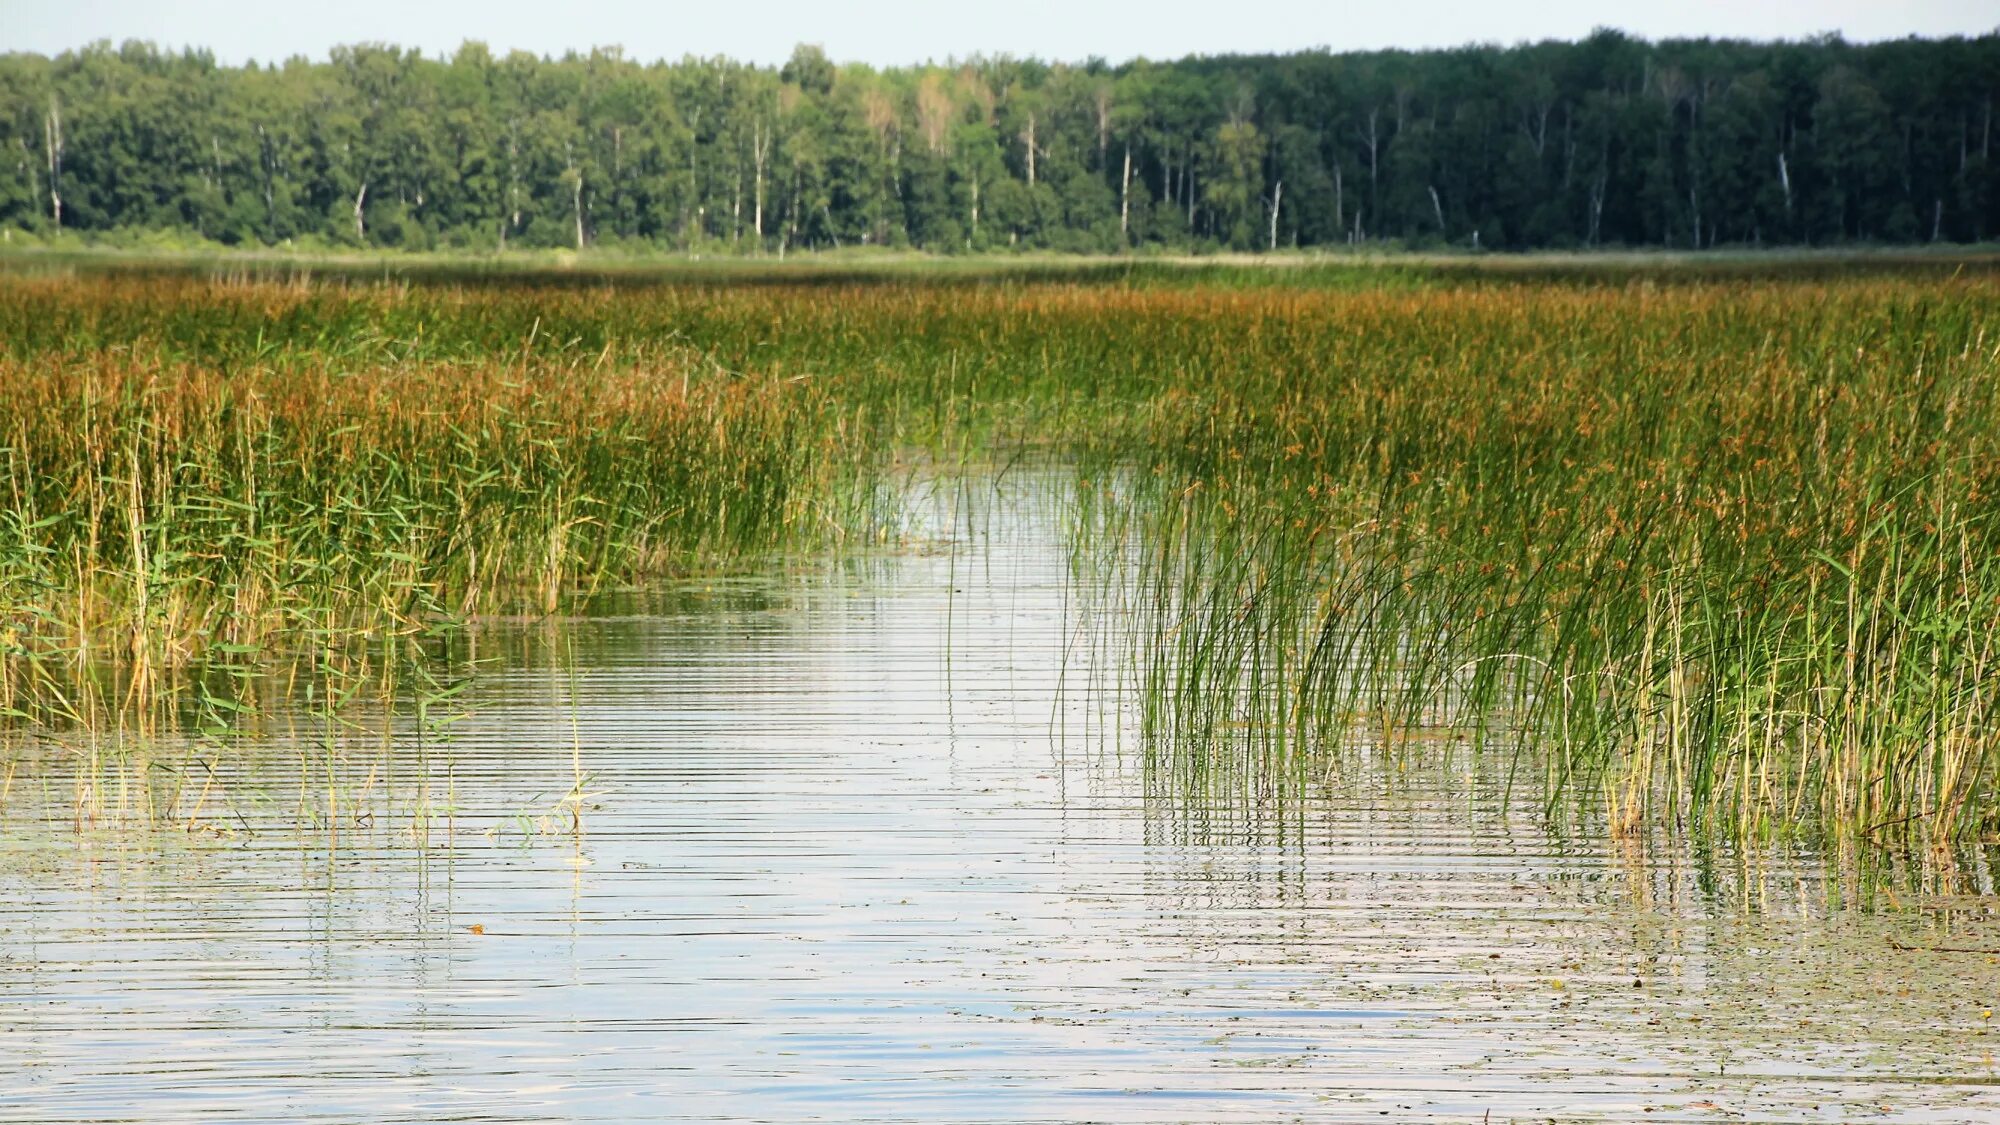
1611	141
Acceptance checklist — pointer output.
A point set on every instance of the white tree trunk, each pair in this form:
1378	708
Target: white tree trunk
1031	150
1125	197
1277	199
360	227
52	138
513	176
760	147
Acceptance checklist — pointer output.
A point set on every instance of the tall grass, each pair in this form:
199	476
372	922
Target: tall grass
1724	552
1717	550
196	499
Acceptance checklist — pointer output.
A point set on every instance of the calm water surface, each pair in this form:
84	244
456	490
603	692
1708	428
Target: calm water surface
859	844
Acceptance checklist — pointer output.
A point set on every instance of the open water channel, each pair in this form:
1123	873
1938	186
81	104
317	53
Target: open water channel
872	841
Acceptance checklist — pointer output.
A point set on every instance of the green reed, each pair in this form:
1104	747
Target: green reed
1725	552
195	478
1694	545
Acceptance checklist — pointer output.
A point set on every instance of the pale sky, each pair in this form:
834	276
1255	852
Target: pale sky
888	32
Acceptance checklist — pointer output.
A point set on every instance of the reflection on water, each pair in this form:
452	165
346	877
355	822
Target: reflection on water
853	847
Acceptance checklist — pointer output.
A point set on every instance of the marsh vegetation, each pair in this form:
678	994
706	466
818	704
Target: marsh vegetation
990	690
1687	548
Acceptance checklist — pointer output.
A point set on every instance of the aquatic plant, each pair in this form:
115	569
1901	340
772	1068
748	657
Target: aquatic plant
1718	552
1697	546
189	498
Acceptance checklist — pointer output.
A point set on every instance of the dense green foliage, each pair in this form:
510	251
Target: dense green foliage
1612	141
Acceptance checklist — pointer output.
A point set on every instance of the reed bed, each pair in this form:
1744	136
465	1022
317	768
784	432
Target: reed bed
185	504
1724	554
1720	550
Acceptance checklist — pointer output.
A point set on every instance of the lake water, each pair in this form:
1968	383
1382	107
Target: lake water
870	842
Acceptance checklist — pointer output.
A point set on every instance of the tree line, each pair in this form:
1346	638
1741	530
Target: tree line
1609	141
